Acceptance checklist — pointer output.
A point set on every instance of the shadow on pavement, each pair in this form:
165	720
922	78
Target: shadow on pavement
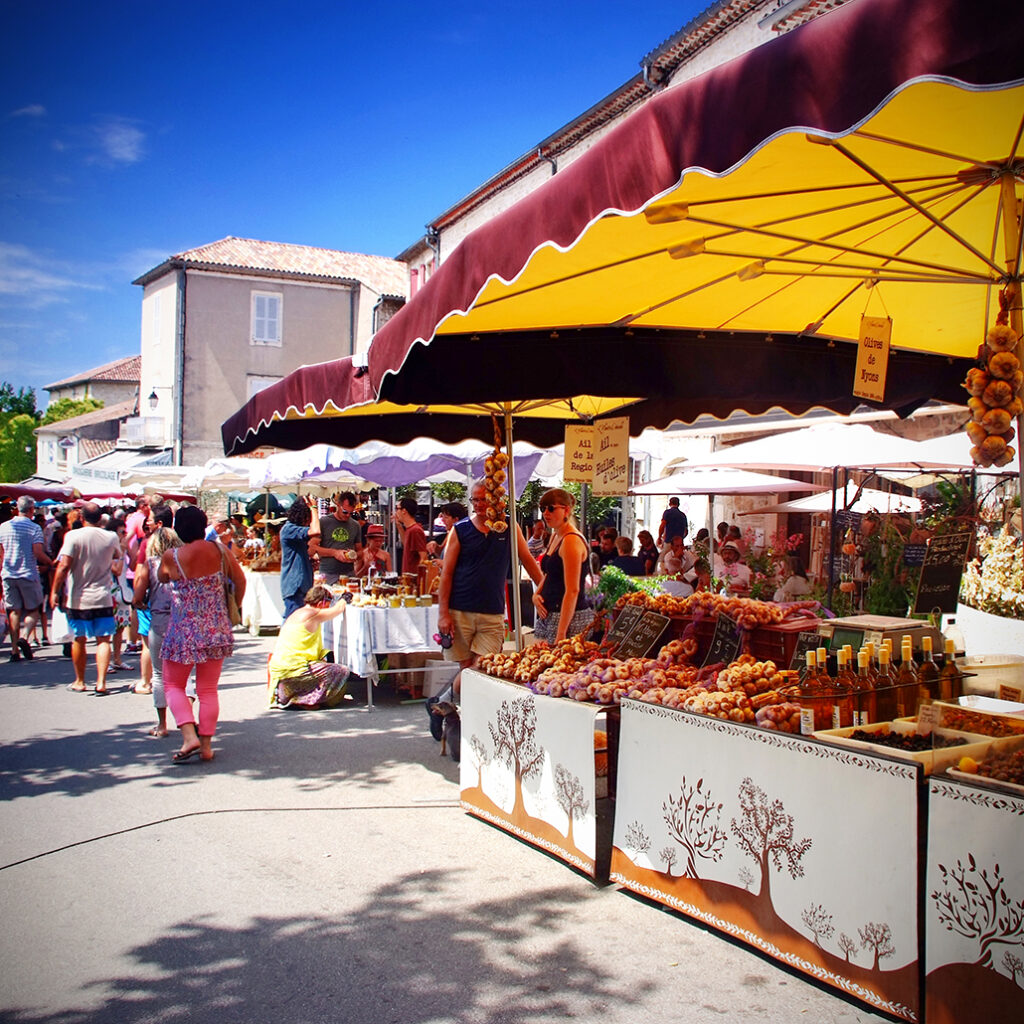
108	743
401	956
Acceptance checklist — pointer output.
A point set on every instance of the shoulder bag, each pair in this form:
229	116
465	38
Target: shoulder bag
230	601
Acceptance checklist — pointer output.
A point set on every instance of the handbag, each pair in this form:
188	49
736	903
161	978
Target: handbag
230	601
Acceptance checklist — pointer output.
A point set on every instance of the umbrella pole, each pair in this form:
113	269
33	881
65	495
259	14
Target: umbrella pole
1012	243
513	526
832	538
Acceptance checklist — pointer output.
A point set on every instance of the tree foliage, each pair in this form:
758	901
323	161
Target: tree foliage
877	937
692	821
818	922
66	408
17	448
16	403
766	832
973	904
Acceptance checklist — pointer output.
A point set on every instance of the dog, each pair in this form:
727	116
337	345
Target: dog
451	728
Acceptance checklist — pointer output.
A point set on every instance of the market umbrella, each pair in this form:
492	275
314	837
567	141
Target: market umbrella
712	481
38	493
853	499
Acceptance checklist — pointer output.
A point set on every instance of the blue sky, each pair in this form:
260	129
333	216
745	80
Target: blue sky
131	131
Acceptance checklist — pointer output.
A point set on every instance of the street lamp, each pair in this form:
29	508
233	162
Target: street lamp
153	399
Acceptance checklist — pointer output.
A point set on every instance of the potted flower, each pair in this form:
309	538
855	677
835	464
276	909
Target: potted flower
991	609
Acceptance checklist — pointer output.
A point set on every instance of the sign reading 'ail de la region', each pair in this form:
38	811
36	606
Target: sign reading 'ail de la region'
578	466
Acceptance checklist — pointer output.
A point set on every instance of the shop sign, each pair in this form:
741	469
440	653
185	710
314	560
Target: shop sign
872	358
579	454
611	456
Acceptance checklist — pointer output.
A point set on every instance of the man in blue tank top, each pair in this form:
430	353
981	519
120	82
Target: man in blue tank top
471	595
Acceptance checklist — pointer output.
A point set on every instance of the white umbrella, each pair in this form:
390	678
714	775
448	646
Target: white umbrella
869	500
724	480
829	446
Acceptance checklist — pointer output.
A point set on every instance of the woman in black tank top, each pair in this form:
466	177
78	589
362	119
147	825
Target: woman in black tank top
558	598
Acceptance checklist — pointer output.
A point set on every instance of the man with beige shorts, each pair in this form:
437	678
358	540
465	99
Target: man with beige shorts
471	595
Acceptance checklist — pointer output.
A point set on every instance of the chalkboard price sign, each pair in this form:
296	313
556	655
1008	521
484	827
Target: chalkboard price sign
726	643
629	615
940	574
643	636
913	554
805	641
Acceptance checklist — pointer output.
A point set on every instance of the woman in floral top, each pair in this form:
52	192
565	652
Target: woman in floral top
199	633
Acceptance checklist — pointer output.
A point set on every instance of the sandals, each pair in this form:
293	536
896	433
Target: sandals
181	756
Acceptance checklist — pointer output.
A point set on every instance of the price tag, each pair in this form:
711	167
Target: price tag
805	641
929	718
1014	693
643	636
726	643
629	615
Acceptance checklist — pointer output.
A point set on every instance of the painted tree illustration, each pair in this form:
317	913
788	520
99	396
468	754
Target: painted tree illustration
515	744
668	855
847	945
973	904
481	756
765	833
877	937
818	922
692	821
569	794
636	838
746	876
1013	964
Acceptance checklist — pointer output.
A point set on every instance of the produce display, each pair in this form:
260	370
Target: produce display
783	717
525	666
912	742
1003	767
984	725
994	391
746	611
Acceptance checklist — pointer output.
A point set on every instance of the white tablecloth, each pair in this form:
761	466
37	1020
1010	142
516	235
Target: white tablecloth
361	633
262	606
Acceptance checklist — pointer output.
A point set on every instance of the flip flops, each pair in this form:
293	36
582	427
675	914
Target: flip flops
181	756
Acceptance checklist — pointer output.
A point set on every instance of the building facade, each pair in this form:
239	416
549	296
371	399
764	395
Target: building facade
225	320
727	29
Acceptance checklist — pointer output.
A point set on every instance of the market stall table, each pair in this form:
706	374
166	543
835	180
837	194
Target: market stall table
262	605
529	766
358	636
803	850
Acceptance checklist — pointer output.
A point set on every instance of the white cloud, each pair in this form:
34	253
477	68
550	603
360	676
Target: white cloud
34	279
32	110
120	141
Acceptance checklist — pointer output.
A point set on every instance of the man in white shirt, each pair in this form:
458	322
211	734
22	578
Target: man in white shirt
88	560
730	569
21	551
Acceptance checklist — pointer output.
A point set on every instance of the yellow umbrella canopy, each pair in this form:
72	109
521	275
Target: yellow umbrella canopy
902	216
867	163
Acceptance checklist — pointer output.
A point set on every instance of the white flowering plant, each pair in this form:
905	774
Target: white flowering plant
994	582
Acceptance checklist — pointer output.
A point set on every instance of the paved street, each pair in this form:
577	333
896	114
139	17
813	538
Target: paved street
319	870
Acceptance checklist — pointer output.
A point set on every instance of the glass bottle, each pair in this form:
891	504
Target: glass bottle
927	672
823	672
950	681
906	681
865	697
842	692
885	688
869	647
815	705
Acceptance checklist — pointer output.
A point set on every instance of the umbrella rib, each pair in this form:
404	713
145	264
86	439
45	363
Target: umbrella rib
917	148
825	243
897	191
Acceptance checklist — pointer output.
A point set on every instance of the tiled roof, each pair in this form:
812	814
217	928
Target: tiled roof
89	448
117	411
381	274
127	369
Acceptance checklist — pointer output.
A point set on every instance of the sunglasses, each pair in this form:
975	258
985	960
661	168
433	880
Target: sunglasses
551	508
444	639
